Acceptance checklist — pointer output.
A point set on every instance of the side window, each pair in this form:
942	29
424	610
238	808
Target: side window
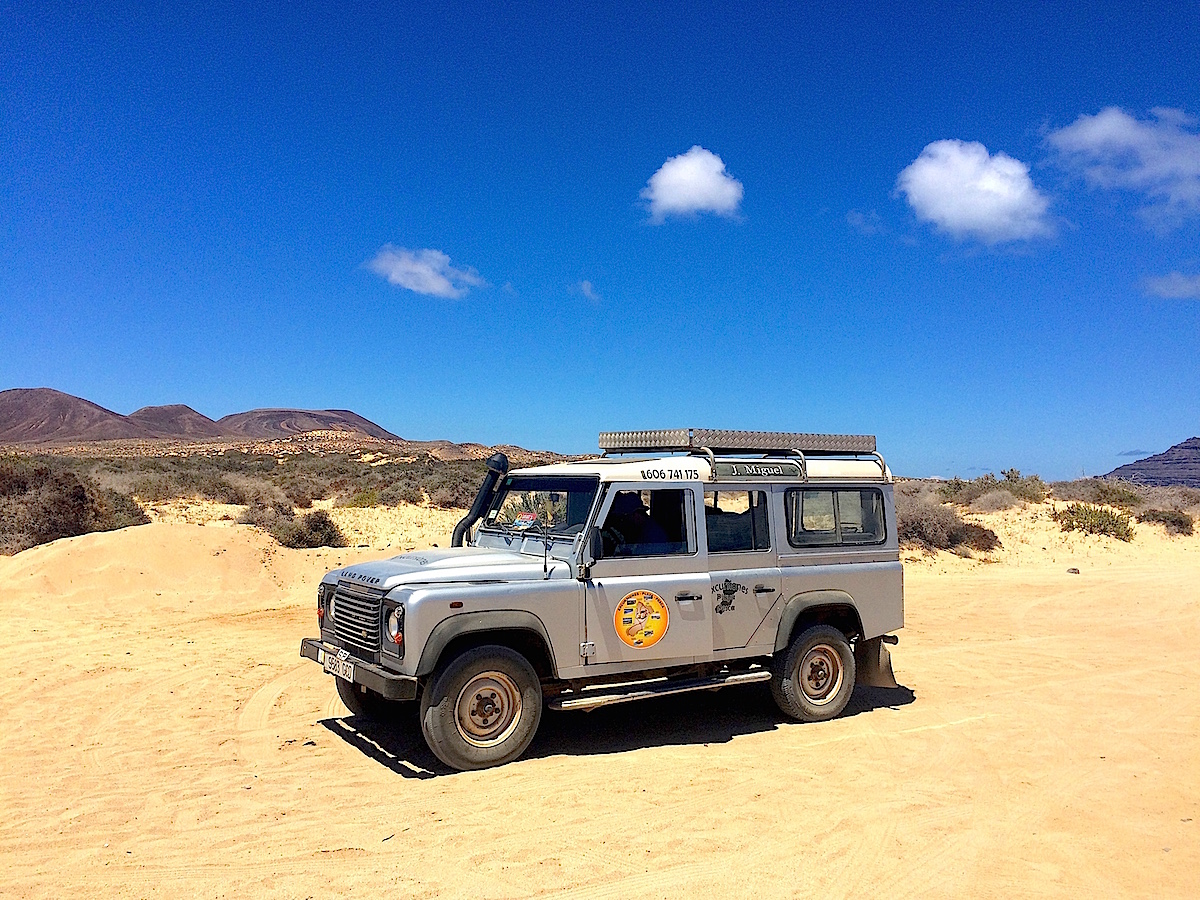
736	521
826	518
647	523
811	519
860	516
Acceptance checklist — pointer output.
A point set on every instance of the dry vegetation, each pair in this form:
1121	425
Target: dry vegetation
930	513
45	497
274	487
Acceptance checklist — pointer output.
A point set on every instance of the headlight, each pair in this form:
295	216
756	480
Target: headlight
324	602
395	626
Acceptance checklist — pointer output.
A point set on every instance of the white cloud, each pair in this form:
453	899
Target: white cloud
691	183
585	288
1175	286
424	272
968	193
1159	158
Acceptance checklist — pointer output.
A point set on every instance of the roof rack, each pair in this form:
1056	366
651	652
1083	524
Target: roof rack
710	440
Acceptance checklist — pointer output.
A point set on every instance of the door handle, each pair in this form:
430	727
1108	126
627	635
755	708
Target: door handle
763	589
684	597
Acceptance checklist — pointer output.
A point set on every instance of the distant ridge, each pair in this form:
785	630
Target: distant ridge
1180	465
44	415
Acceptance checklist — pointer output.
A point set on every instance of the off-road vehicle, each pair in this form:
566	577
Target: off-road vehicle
679	560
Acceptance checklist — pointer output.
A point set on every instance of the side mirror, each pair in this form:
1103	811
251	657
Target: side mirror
591	551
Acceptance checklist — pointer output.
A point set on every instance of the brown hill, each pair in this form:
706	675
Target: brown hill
276	423
175	421
1178	465
44	414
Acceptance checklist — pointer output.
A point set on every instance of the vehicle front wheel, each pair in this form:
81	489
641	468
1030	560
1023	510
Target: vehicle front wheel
482	708
813	679
366	704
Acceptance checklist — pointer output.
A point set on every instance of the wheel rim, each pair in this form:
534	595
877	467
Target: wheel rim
488	709
820	674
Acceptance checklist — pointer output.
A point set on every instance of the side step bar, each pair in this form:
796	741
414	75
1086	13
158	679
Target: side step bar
661	689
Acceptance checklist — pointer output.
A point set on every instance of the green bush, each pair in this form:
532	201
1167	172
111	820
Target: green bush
364	499
1176	520
1093	519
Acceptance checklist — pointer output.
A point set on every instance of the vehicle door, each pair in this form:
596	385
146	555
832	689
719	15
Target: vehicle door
646	598
744	574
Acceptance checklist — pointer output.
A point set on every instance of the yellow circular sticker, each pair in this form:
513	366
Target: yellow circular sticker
641	619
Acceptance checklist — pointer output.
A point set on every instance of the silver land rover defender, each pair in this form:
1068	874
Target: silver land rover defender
679	560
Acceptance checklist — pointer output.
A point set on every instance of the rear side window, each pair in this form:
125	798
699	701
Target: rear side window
736	521
824	518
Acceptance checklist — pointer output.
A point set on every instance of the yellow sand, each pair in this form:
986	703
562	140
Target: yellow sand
162	738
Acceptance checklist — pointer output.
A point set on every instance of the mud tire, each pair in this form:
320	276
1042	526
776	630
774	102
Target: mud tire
813	679
482	708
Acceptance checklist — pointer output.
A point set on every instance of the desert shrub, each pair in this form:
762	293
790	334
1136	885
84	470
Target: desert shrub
1171	497
302	490
448	498
1099	491
114	510
1176	520
1093	519
1022	487
314	529
402	492
263	516
364	499
993	501
936	526
40	504
18	477
254	489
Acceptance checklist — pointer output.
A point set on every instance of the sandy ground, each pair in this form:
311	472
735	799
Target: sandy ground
162	738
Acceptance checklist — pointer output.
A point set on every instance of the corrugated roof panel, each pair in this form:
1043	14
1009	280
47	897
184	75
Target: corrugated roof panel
721	441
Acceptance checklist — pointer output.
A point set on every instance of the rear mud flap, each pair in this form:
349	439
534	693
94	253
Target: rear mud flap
873	663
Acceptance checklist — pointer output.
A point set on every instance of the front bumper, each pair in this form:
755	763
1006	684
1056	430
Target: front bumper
375	678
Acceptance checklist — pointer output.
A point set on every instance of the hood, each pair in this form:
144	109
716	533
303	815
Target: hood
473	564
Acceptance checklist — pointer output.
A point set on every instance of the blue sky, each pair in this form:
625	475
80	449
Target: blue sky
972	231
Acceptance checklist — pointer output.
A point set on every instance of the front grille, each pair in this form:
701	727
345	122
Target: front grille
357	618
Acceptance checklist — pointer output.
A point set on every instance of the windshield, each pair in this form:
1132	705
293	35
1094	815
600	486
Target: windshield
556	504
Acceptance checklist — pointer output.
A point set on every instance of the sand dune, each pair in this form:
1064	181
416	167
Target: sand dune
163	739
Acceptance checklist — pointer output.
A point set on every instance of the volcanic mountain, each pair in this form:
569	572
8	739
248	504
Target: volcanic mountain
275	423
38	415
42	414
176	420
1178	465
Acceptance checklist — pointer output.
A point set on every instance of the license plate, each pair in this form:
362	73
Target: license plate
342	668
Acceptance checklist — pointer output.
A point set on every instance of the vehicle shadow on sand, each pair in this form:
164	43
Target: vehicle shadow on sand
702	717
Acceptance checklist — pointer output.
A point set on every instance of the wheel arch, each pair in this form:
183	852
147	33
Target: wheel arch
516	629
834	608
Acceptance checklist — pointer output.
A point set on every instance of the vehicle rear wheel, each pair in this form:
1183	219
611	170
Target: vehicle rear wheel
366	704
482	708
813	679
